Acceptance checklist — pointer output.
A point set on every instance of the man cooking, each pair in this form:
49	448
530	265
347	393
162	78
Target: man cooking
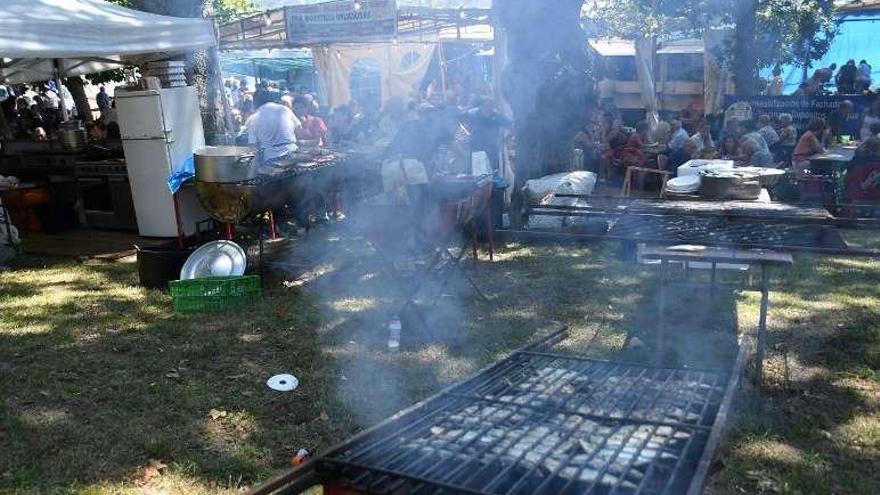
485	124
272	129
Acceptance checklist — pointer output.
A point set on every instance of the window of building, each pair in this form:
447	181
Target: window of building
622	68
684	67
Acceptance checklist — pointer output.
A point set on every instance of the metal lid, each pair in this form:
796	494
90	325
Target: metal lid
215	259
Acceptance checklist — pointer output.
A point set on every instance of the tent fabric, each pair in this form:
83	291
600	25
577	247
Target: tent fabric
273	64
89	36
401	66
856	39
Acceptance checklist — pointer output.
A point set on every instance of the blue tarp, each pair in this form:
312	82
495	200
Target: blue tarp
857	39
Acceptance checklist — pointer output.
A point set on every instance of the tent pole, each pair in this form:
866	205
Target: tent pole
442	68
57	64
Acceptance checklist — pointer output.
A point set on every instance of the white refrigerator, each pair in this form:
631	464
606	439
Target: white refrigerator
160	130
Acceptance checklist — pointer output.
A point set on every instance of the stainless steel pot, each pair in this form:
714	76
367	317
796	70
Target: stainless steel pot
225	164
728	184
73	137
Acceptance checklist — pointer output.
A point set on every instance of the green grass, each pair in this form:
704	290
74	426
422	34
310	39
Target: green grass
98	376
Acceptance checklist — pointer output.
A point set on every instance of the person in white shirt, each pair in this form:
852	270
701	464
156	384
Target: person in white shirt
767	131
679	135
272	129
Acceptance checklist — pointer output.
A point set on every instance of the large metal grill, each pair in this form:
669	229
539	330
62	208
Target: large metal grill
723	231
542	422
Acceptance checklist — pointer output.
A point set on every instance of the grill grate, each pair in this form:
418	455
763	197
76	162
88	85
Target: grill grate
540	422
719	230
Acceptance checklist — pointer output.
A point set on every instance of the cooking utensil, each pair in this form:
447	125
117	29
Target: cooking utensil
722	184
768	176
225	164
215	259
748	190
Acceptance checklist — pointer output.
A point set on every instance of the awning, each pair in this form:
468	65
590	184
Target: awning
88	36
272	64
613	47
681	47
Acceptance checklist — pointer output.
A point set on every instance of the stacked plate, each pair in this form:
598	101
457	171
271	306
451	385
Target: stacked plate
688	184
172	73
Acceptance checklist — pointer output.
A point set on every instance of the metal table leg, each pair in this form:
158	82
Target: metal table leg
5	211
661	318
762	324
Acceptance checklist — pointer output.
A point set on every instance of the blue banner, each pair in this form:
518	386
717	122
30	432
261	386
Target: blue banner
804	108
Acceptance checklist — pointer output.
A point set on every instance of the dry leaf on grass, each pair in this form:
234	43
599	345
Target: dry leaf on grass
153	469
217	414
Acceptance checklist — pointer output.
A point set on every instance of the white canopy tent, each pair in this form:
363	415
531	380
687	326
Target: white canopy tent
84	36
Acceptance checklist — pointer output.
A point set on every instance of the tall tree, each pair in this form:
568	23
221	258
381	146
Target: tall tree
203	66
548	81
767	32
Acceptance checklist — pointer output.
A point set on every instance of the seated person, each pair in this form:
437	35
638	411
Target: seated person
632	155
767	131
870	146
684	154
313	131
788	134
751	133
751	154
808	145
614	141
679	135
729	149
661	133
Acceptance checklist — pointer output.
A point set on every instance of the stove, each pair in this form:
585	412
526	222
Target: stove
541	422
105	194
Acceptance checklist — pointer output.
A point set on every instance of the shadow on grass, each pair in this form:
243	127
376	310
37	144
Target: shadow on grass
812	428
101	377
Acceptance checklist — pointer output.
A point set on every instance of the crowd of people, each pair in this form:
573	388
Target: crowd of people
611	147
279	120
849	79
33	111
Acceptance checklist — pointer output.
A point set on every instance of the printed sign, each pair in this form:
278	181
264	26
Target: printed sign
342	21
804	108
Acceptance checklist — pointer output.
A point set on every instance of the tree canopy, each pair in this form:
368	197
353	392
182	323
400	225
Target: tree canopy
782	31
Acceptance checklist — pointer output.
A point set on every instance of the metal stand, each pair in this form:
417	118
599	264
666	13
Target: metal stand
762	324
714	256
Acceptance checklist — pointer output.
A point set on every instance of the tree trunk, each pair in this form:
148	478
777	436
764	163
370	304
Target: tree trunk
745	67
78	91
548	82
200	64
5	130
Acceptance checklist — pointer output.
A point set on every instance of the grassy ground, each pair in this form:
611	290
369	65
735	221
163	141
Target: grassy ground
102	385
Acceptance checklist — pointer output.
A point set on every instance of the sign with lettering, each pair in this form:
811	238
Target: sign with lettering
341	21
804	108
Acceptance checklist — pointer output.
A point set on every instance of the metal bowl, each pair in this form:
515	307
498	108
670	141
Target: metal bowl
215	259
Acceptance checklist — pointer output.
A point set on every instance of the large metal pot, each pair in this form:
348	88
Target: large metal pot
729	184
72	136
225	164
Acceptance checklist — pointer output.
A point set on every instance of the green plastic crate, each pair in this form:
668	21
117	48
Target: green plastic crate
214	293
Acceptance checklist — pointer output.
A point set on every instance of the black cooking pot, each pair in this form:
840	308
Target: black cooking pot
159	265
